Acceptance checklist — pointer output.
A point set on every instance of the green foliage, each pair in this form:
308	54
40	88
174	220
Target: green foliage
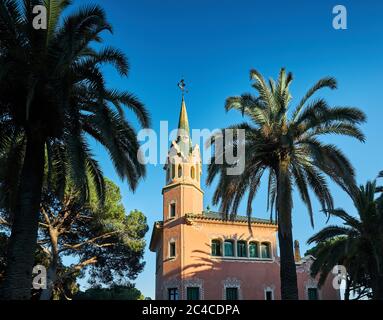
102	235
284	143
53	97
281	140
107	243
358	244
320	246
113	293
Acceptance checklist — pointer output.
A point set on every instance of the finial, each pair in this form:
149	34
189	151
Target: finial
182	86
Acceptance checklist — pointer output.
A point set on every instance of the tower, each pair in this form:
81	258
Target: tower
182	193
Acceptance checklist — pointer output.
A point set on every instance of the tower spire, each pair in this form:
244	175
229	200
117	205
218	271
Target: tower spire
183	134
183	123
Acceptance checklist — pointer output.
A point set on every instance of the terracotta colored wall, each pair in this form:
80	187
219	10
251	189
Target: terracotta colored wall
194	263
253	276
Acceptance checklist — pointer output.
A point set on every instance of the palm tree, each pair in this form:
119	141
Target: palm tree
286	145
358	244
53	98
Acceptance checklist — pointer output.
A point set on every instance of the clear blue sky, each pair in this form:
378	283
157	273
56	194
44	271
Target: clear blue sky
214	44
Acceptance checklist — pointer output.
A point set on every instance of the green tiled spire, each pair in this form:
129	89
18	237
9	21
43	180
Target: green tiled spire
183	136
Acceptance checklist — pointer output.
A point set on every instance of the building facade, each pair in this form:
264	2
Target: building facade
202	256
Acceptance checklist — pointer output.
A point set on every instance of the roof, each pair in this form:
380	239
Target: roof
208	215
156	227
217	216
183	123
183	135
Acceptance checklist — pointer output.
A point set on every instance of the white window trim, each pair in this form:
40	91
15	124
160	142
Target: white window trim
312	284
194	283
269	289
232	283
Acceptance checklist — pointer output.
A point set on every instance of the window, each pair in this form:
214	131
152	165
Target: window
312	293
167	174
229	248
179	171
241	249
173	171
231	293
172	210
192	293
192	173
172	249
172	294
253	250
197	171
216	248
265	250
268	295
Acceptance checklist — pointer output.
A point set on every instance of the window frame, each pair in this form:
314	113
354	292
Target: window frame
172	245
175	294
256	244
243	245
189	290
192	173
179	171
232	289
268	246
227	241
171	206
271	292
214	242
310	289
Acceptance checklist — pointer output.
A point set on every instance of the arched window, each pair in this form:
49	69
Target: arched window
179	171
241	249
229	248
167	174
216	250
265	250
253	250
192	173
173	171
172	210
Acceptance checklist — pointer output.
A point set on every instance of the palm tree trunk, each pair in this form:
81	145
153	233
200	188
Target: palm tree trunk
22	245
377	287
288	271
347	291
52	270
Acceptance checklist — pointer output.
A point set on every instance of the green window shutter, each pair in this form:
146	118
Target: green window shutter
231	293
216	248
313	293
253	250
193	293
241	249
229	250
265	251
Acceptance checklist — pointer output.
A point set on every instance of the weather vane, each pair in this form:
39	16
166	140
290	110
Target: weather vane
182	86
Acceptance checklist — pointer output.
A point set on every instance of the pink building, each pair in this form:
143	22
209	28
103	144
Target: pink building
200	255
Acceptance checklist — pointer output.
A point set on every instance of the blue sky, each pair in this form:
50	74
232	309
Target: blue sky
214	44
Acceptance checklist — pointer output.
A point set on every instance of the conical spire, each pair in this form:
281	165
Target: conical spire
183	135
183	123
